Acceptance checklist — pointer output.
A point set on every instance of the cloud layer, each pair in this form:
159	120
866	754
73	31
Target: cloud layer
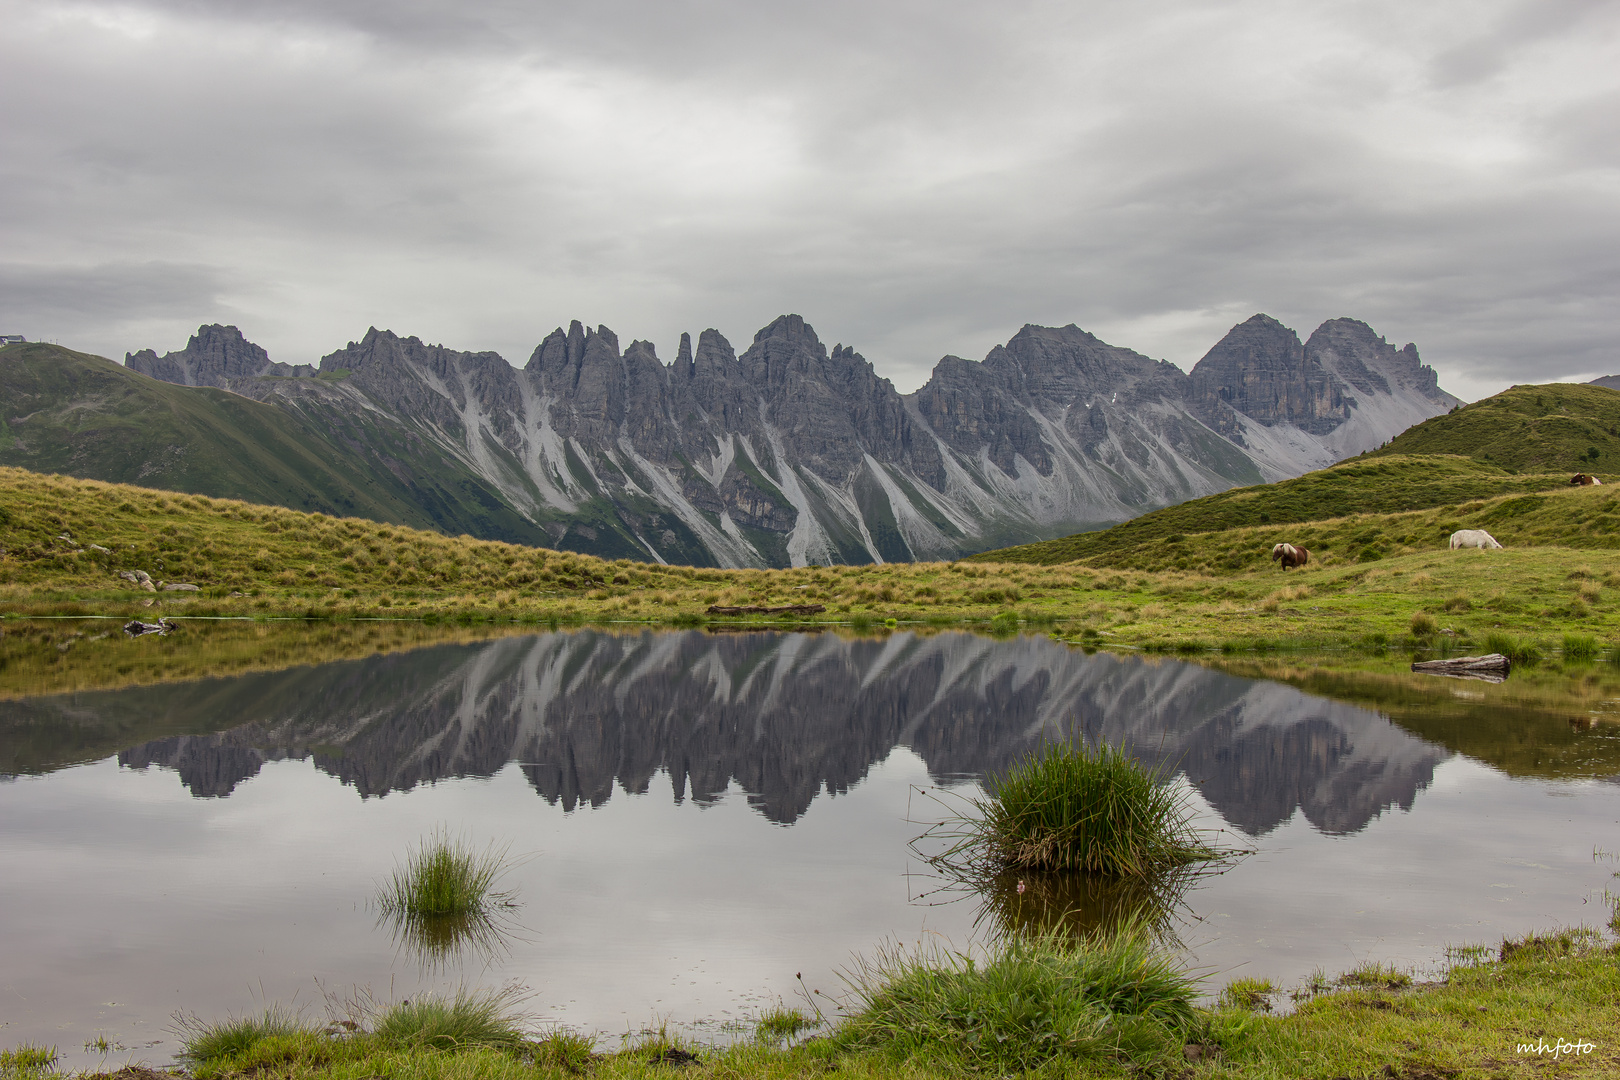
914	178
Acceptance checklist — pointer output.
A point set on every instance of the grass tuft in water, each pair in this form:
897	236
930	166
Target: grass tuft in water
1519	650
1021	1003
464	1019
782	1023
1098	811
1251	994
1374	974
1580	648
204	1041
445	877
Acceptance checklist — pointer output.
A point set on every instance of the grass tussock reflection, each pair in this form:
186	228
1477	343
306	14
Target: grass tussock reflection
1083	907
442	905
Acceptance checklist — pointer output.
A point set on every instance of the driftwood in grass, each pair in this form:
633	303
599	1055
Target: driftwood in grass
756	609
1490	668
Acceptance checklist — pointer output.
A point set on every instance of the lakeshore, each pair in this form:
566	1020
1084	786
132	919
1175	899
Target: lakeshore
1538	1006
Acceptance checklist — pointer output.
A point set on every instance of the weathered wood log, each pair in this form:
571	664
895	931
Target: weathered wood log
756	609
1493	667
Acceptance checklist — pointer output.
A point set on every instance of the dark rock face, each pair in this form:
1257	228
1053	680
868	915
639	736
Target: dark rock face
1368	364
1261	370
215	356
785	717
794	453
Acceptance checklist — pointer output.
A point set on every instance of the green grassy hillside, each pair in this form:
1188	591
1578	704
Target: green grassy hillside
1581	518
81	415
1390	484
1551	428
1373	578
1524	440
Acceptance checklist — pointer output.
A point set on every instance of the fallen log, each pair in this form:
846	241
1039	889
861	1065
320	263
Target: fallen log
1493	667
756	609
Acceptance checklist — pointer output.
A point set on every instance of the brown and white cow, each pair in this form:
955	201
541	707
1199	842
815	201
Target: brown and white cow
1581	479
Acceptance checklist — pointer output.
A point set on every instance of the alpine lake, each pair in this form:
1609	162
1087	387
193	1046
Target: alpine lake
699	825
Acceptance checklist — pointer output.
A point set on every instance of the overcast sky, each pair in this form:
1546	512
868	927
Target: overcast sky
914	178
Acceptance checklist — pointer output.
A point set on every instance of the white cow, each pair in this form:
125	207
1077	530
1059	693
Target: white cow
1473	538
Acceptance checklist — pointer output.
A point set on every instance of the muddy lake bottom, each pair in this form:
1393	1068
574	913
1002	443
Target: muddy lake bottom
695	820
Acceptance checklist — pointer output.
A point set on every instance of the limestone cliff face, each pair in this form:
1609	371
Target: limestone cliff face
215	356
1295	407
1261	370
791	453
785	716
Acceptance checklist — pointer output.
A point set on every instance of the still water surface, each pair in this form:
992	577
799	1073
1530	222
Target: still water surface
700	817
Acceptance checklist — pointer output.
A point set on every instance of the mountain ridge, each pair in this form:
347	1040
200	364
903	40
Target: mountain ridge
790	453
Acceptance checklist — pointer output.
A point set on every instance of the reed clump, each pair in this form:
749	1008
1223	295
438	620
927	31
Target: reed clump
445	877
1021	1003
1580	648
1095	810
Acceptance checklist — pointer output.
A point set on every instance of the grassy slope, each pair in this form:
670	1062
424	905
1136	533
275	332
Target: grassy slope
82	415
1527	439
1549	513
1556	427
1387	485
1371	575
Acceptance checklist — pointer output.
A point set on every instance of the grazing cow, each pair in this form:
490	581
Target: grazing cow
1581	479
1473	538
1290	555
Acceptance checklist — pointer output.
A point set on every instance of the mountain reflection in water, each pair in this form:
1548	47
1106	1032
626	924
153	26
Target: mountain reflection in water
783	715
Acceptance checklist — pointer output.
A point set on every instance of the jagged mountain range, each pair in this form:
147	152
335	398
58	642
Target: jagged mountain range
791	453
784	716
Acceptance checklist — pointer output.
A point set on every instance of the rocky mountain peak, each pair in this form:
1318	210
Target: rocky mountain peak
1260	370
791	328
215	356
1354	352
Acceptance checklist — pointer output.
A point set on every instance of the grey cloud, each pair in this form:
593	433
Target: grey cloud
56	301
915	179
1526	22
